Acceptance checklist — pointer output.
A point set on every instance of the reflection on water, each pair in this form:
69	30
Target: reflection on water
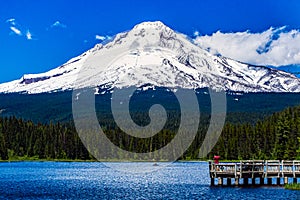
87	180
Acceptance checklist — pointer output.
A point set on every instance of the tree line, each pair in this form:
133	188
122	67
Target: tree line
276	137
19	138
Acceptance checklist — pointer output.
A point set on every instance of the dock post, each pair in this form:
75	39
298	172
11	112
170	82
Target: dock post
286	180
228	181
212	181
220	181
246	181
294	180
269	181
236	181
278	181
261	181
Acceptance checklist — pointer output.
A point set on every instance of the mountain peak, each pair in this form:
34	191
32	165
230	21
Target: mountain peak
146	34
152	29
150	24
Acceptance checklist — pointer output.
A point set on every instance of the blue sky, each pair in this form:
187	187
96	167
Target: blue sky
36	36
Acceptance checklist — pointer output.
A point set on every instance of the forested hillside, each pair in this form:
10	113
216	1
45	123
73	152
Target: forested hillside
276	137
57	107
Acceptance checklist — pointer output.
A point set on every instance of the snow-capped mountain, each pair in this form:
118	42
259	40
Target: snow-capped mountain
152	53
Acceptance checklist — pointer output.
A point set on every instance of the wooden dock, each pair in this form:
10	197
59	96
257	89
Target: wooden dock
255	173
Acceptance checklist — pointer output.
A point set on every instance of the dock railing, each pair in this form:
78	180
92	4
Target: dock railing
255	169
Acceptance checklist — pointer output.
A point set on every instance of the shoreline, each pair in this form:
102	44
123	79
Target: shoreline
294	186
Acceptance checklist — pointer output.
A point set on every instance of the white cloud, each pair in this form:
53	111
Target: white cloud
275	47
12	21
196	33
100	37
58	24
15	30
108	37
28	35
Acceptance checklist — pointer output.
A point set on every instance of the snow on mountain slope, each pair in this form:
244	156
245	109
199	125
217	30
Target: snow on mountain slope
152	53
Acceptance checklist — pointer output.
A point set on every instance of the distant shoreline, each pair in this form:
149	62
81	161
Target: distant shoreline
111	160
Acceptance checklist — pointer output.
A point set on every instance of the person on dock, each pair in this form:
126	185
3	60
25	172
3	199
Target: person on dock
216	159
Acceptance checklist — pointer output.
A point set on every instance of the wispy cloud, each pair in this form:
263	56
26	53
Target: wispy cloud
11	21
196	33
28	35
15	30
275	46
100	37
58	24
13	26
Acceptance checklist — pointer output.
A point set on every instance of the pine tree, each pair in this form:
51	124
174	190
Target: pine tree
282	134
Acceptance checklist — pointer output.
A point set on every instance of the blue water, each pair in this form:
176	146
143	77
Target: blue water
88	180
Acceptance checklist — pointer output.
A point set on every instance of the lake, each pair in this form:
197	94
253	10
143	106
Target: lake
95	180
